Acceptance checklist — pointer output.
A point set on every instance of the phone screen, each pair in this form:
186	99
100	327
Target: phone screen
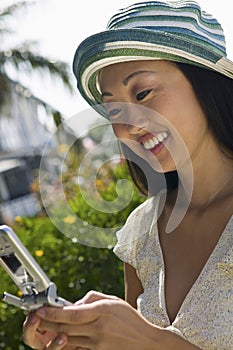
12	262
20	274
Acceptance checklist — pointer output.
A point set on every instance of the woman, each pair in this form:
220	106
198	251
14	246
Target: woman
160	74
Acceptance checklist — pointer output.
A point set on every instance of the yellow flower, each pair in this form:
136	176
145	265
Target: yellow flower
39	253
20	293
63	148
18	219
70	219
99	184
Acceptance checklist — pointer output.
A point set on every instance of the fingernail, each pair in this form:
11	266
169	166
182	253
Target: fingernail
32	318
41	312
59	341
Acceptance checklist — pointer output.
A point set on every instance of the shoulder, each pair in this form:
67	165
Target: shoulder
136	230
147	208
141	217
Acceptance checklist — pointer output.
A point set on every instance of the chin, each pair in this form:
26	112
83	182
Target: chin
163	168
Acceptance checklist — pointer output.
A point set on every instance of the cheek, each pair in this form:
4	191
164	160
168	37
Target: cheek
185	112
119	130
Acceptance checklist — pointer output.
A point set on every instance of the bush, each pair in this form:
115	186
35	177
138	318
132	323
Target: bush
75	268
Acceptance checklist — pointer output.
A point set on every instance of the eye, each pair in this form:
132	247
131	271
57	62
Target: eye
113	113
141	95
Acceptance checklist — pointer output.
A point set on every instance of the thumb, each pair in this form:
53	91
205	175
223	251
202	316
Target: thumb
93	296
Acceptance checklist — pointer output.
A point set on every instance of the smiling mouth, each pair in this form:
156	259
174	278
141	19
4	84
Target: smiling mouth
155	140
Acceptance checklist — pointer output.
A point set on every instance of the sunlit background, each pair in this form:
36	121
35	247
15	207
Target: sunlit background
60	25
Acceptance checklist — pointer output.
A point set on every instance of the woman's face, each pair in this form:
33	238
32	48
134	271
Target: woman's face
154	110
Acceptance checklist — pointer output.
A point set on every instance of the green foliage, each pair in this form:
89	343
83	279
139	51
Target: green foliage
75	268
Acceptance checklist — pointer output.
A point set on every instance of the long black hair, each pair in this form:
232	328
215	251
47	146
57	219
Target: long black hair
214	92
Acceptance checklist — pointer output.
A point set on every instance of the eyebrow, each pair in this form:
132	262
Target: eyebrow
134	74
127	79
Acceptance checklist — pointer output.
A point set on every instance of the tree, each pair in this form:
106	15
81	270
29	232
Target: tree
23	58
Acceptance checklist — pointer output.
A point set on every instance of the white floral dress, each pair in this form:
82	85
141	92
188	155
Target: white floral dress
206	315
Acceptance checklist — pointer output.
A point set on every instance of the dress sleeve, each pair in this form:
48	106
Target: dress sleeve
175	330
131	235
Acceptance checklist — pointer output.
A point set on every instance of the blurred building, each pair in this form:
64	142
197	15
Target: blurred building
26	126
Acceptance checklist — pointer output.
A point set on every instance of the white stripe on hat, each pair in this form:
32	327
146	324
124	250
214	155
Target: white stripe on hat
94	67
183	14
184	25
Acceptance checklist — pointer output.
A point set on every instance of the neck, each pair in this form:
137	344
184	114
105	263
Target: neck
212	180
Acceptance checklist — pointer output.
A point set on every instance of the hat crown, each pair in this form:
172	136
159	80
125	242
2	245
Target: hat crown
184	18
174	30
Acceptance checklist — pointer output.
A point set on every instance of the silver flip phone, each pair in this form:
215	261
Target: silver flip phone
36	287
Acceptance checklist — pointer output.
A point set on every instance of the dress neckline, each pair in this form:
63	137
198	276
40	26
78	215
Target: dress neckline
200	276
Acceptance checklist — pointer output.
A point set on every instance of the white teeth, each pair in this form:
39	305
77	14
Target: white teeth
160	137
154	141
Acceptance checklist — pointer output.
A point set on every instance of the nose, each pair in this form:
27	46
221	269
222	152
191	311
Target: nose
135	118
134	129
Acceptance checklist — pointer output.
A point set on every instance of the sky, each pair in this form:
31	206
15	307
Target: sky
60	25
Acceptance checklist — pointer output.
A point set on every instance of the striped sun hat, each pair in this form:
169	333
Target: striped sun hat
173	30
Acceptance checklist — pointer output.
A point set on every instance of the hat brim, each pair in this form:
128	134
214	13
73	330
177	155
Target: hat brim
115	46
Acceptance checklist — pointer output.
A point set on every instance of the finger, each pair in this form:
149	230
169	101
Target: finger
30	327
33	333
31	321
81	343
93	296
70	343
69	329
58	343
75	314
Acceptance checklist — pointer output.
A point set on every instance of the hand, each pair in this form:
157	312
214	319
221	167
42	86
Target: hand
34	336
37	338
99	322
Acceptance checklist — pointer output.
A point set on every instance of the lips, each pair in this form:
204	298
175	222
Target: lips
155	140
